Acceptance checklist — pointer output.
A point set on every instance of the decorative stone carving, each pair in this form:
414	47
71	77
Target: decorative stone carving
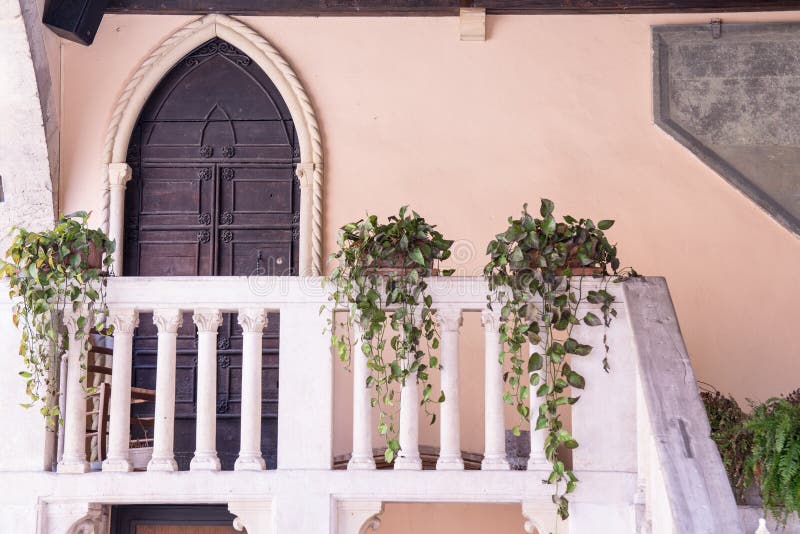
228	173
207	320
228	151
358	517
94	522
124	320
204	218
255	516
204	174
203	236
449	319
226	218
168	321
252	319
206	151
227	236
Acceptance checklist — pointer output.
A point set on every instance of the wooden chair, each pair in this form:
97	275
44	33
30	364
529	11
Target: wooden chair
103	399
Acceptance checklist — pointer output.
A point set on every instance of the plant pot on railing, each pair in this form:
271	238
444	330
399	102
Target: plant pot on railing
381	276
49	271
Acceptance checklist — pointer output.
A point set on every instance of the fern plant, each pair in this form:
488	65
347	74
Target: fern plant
775	459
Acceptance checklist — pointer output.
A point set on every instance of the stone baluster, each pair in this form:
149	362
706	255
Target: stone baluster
494	457
168	322
408	458
450	321
74	458
537	459
205	454
361	457
124	322
252	321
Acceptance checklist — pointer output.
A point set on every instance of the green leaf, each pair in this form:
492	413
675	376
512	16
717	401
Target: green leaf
546	207
591	319
548	225
605	224
576	380
416	256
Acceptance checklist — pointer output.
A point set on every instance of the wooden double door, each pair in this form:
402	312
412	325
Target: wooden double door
213	193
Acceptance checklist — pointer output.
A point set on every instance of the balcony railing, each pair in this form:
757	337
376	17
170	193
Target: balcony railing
645	457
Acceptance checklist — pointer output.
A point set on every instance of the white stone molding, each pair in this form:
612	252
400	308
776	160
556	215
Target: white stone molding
472	23
152	69
538	458
255	516
124	322
541	516
358	517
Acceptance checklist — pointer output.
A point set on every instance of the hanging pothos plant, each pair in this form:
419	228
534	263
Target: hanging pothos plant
535	275
381	276
48	271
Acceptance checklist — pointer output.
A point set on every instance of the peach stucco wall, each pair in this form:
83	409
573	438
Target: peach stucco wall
551	106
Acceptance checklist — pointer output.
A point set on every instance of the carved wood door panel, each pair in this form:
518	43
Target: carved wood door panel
213	193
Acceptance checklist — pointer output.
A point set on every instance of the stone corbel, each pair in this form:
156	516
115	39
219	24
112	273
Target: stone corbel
358	517
255	516
77	518
540	516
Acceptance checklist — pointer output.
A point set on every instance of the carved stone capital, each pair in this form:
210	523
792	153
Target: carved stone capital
70	318
449	319
124	320
207	320
253	319
305	174
490	319
119	174
168	321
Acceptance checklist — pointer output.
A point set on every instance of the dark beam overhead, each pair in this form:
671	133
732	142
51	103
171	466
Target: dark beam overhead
439	7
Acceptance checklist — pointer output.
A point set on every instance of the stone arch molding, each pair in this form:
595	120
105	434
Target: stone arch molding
149	73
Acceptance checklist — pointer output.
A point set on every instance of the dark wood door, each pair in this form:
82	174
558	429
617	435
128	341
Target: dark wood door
171	519
213	193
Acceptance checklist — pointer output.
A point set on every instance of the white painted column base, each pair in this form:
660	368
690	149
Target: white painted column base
250	462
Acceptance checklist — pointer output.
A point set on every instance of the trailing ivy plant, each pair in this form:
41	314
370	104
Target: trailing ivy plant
48	271
774	461
530	274
381	276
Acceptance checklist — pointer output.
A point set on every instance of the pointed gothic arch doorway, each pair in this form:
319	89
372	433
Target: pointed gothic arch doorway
213	193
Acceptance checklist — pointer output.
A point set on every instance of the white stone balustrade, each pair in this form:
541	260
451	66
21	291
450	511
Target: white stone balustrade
167	321
450	321
124	322
252	321
494	455
205	454
74	458
362	457
619	463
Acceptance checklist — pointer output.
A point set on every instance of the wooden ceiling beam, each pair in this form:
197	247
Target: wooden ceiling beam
439	7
